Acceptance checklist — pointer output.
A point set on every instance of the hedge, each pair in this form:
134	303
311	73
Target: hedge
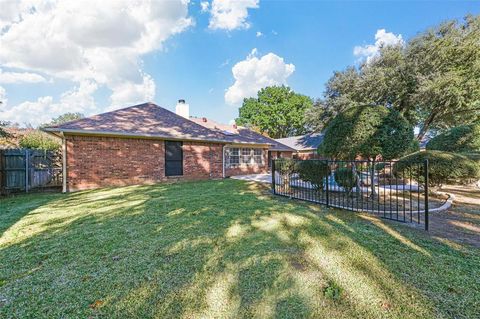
443	167
460	139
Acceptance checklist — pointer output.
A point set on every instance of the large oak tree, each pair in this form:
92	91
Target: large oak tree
276	111
433	80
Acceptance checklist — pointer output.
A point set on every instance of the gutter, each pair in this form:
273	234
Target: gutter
62	132
64	164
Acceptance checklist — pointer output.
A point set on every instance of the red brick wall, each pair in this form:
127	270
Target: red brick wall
202	160
109	161
307	155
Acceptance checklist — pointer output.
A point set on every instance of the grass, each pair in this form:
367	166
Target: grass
221	249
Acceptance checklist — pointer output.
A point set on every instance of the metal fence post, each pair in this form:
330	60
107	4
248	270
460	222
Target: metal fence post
425	172
273	176
326	186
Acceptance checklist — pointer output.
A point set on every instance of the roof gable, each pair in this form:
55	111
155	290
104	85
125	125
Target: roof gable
146	120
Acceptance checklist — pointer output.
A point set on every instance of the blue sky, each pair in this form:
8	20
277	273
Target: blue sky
106	60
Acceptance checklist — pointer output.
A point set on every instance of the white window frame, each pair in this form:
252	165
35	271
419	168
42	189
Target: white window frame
258	158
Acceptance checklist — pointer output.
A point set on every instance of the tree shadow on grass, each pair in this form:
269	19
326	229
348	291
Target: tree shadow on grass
211	249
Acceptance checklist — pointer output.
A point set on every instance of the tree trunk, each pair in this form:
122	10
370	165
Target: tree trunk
426	126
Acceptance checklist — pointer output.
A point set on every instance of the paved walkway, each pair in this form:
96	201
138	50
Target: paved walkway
262	178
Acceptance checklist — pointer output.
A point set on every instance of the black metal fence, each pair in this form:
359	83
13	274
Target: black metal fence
381	188
27	169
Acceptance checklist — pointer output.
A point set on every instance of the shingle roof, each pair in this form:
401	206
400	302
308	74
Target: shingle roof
147	120
242	132
303	142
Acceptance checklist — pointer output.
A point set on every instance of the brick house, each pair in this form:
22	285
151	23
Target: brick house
305	146
148	144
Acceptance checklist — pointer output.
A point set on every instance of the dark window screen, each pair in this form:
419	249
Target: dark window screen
173	158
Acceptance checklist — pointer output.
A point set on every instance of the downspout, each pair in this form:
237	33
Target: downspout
64	164
223	161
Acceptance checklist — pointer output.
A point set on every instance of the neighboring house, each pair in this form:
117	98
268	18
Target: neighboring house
146	144
305	146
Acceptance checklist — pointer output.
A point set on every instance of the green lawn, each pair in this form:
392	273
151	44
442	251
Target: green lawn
219	249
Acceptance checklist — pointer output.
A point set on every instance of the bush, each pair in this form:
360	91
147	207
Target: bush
313	171
346	178
443	167
285	166
39	140
460	139
367	131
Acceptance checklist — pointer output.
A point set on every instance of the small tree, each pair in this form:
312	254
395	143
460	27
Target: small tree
285	167
314	171
460	139
369	132
346	178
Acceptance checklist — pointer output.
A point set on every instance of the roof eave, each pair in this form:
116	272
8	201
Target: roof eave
60	131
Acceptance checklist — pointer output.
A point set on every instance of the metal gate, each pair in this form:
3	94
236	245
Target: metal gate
380	188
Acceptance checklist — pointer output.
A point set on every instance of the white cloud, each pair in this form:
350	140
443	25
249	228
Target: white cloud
204	5
23	77
3	98
131	93
382	38
90	41
255	73
79	99
259	34
231	14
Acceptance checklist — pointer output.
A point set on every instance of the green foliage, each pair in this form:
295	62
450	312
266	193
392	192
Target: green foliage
443	167
367	131
313	171
332	291
3	131
433	80
64	118
346	178
460	139
38	140
277	111
285	166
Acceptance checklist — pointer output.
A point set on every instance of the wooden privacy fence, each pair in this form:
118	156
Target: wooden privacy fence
27	169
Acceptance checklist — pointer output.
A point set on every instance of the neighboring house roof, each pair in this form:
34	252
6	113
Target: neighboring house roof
305	142
242	132
147	120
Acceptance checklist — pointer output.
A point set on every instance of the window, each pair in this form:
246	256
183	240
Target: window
173	158
246	156
258	156
234	156
243	156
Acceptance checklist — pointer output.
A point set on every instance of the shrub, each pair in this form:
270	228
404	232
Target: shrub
367	131
460	139
39	140
285	167
346	178
443	167
313	171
